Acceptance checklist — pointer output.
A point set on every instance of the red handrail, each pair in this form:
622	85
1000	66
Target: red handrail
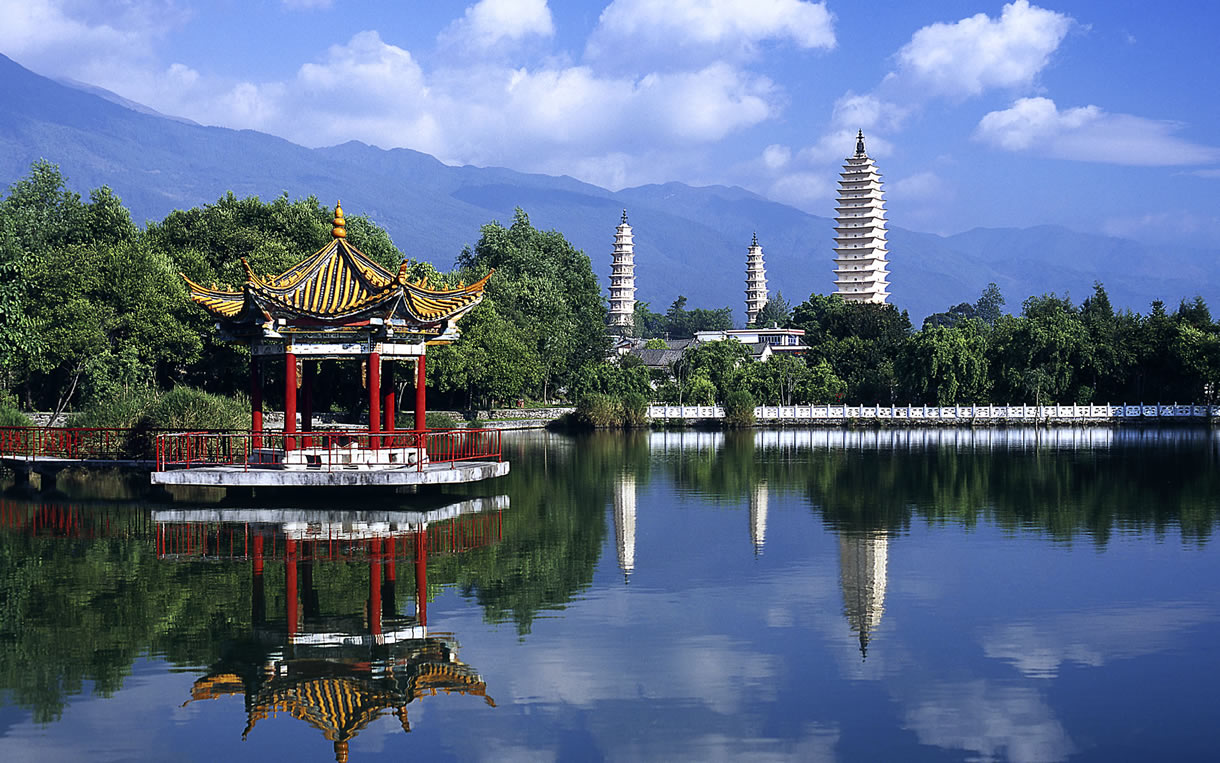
330	450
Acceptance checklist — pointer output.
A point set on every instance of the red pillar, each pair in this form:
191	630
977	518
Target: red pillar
389	561
389	399
290	577
258	606
309	369
290	400
374	400
375	586
421	412
256	399
421	576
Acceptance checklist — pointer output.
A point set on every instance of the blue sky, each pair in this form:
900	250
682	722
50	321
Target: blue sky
1101	116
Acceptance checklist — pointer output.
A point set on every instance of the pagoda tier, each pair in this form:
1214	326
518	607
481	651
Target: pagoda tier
756	281
860	243
622	277
335	291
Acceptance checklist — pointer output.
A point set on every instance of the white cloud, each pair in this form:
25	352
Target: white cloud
490	22
715	28
922	186
803	190
867	112
1094	638
977	53
776	156
1088	133
58	38
1011	722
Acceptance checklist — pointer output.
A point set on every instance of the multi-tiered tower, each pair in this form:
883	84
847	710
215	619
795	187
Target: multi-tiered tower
622	279
860	253
756	281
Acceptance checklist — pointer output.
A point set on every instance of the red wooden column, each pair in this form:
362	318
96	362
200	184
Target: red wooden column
256	399
421	576
290	400
389	399
375	586
290	577
421	412
309	369
258	605
374	400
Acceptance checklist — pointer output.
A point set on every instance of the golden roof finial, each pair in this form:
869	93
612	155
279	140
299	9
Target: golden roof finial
339	231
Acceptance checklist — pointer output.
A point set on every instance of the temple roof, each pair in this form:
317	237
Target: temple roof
338	286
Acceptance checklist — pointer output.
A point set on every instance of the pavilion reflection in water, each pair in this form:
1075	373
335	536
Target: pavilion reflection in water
337	672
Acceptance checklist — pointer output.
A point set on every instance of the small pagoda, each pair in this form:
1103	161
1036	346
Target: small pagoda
338	304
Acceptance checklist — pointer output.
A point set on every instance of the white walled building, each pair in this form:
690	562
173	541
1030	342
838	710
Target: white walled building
756	281
622	279
860	255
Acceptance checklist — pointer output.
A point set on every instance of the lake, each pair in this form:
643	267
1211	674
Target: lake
900	594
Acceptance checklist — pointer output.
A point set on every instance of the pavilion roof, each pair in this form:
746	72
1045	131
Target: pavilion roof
337	286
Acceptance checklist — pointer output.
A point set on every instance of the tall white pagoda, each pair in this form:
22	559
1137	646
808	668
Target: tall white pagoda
622	279
860	253
756	281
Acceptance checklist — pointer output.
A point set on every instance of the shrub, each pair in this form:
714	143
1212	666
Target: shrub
192	410
126	409
597	410
432	419
739	409
11	417
635	410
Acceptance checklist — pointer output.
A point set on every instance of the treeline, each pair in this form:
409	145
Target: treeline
94	318
1053	351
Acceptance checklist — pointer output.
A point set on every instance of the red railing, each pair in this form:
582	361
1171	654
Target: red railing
83	443
328	450
235	541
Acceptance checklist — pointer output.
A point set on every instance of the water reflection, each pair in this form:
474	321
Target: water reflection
862	569
335	670
793	594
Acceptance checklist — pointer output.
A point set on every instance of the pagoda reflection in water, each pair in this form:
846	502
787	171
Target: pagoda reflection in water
337	672
862	570
624	523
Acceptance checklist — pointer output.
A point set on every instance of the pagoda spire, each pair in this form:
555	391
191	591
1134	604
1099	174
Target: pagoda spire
756	281
622	279
861	264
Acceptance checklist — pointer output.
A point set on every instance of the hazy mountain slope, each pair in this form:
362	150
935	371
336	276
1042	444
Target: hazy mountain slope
689	240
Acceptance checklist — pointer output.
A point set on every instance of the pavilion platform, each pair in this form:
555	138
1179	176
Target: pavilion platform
238	476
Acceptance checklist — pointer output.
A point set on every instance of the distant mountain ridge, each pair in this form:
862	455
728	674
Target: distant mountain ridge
689	240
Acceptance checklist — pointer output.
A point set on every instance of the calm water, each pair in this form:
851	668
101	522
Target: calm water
902	595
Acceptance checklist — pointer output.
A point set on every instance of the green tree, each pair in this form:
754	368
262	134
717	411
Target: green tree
546	289
493	361
946	366
775	312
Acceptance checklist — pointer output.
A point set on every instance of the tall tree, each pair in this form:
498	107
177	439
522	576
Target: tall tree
546	288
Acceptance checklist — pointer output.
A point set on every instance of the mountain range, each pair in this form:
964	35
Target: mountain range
689	240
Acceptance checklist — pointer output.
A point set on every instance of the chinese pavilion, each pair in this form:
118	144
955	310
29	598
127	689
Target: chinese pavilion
338	304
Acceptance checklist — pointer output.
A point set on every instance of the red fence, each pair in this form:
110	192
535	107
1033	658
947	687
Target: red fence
327	450
236	541
99	444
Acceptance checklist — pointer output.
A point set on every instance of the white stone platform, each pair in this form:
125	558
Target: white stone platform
238	476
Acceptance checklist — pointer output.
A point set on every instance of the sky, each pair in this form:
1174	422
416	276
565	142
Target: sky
1100	115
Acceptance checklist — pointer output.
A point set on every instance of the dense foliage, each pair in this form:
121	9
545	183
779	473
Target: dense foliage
94	317
1052	352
